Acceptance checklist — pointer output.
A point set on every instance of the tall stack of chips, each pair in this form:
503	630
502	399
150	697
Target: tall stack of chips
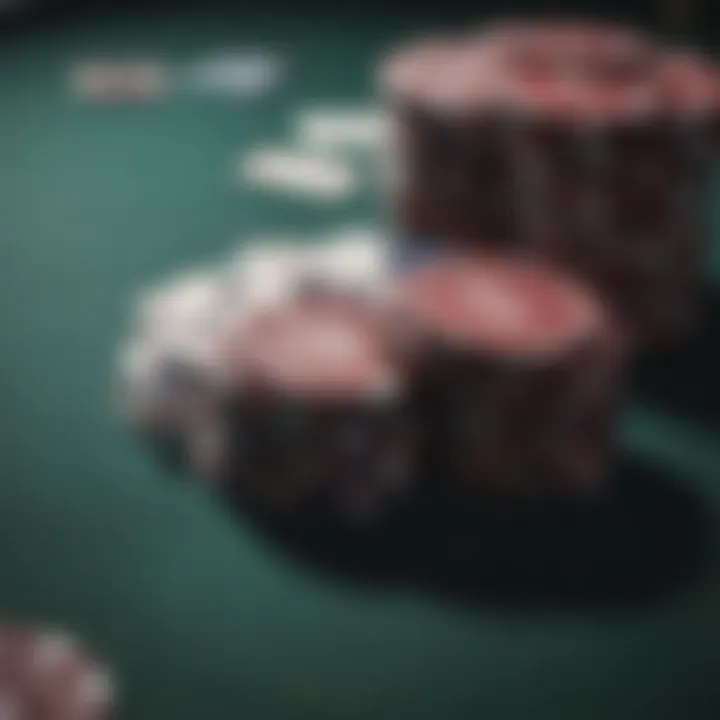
582	143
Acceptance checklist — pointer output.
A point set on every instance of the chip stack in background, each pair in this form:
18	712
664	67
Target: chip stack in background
516	373
661	183
47	675
587	144
446	154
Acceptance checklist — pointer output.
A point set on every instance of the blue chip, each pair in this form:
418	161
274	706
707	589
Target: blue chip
412	252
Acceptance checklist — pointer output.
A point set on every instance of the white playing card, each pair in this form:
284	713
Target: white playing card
341	128
299	173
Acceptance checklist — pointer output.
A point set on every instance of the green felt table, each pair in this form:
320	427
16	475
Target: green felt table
202	616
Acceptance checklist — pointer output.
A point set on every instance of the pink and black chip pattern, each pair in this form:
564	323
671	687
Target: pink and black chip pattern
589	145
318	411
516	376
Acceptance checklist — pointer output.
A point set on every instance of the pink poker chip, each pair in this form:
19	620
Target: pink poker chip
320	350
569	47
562	72
46	675
582	100
450	76
420	65
689	86
508	308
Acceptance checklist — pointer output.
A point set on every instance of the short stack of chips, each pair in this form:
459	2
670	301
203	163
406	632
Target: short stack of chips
515	370
549	221
295	400
319	409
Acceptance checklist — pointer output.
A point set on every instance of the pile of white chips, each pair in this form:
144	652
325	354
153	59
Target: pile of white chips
170	373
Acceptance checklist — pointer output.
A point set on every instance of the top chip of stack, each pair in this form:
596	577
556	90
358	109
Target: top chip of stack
570	48
514	309
563	72
313	348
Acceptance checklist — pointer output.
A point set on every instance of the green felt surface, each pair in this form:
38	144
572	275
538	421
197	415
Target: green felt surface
199	615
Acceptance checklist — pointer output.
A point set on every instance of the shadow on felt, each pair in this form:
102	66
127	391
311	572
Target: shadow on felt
638	544
683	379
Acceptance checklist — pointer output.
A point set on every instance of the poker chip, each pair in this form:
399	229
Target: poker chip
509	354
509	308
46	674
446	77
353	260
168	370
265	271
119	81
186	304
238	74
564	73
160	387
569	48
689	87
319	348
173	403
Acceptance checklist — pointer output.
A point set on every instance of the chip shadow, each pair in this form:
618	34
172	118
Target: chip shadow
684	378
639	544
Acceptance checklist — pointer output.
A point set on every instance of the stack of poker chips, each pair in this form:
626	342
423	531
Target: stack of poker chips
549	221
586	144
516	374
319	379
271	375
318	408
